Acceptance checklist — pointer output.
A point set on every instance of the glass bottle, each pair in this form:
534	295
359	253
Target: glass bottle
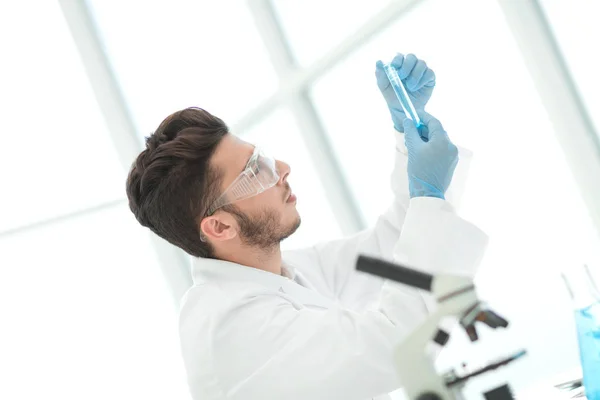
586	302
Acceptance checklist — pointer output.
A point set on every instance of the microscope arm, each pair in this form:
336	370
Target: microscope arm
455	296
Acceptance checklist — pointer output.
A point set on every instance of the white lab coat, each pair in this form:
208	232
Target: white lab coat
324	330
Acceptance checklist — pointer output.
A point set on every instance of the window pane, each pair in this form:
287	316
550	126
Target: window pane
313	26
56	155
86	313
185	53
280	137
575	23
520	190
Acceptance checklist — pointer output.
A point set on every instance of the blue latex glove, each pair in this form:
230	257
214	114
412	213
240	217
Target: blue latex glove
431	162
418	79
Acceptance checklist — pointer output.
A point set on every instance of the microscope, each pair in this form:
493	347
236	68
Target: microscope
456	297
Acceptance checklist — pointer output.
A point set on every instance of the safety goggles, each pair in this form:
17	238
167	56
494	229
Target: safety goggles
260	174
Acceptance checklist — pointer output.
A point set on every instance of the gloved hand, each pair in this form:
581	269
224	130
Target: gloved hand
418	79
431	162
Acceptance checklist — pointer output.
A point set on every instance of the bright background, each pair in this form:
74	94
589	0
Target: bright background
88	303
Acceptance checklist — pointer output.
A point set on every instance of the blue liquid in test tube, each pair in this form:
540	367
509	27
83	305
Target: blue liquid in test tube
588	330
400	90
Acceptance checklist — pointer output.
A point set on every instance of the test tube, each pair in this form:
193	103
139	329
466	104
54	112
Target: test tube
400	90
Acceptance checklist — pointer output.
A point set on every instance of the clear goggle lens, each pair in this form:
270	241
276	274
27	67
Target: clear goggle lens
260	175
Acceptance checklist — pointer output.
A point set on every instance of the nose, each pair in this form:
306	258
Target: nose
283	169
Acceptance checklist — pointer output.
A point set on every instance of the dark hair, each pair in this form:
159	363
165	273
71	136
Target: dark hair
171	184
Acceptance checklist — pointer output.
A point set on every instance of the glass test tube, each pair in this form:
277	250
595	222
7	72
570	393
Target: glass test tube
400	90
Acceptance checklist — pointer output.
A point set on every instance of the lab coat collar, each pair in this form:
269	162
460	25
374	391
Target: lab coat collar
207	268
288	271
294	286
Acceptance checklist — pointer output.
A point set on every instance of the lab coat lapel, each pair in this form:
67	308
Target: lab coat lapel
295	287
303	292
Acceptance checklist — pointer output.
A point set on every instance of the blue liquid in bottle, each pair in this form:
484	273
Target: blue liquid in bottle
588	331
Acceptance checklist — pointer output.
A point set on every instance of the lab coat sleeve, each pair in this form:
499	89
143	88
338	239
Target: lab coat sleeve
265	347
335	261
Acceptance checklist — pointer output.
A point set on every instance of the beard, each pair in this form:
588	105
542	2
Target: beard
263	230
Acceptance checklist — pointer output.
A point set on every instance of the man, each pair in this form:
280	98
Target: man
259	324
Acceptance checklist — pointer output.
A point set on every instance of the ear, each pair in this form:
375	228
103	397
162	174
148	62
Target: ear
218	227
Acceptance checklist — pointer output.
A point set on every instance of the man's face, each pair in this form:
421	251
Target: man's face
265	219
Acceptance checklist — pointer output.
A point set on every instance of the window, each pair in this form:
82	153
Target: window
575	23
313	27
176	54
56	155
86	313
